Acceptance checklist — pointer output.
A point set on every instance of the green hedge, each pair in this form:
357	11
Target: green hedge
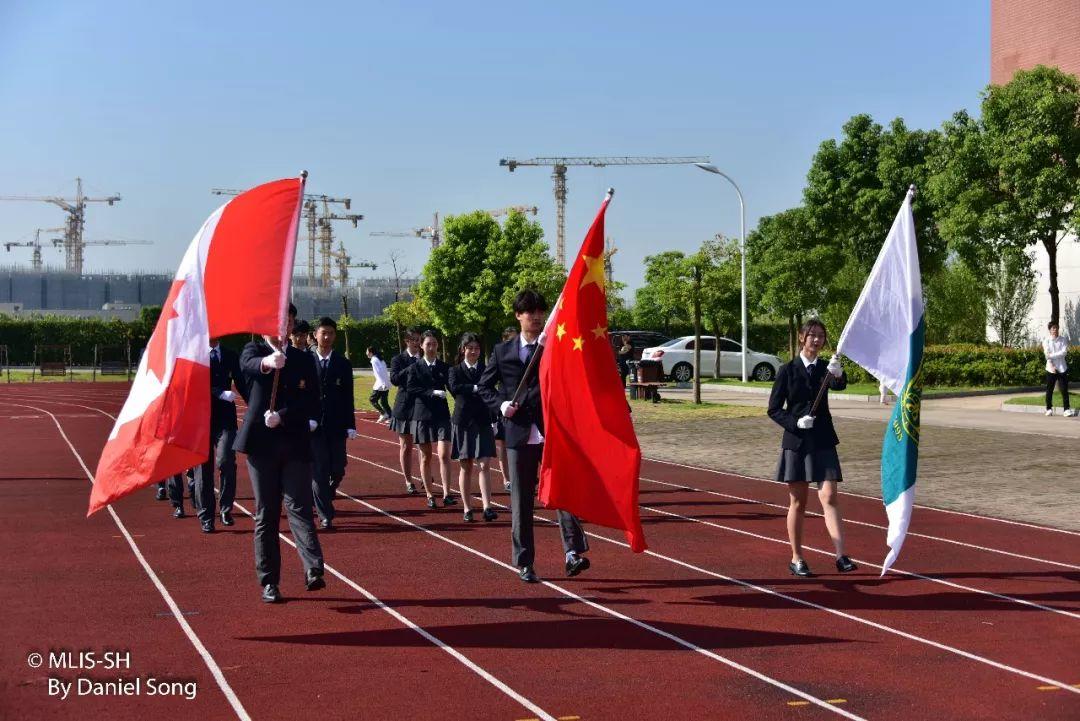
977	365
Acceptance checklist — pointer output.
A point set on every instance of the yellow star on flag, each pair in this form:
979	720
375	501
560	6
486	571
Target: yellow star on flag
599	331
561	330
579	343
595	272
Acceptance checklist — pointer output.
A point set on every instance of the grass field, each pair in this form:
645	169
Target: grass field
867	389
1040	400
23	376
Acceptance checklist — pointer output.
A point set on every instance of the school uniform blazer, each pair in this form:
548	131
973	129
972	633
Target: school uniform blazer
297	403
336	394
225	372
469	407
399	364
420	380
793	394
500	379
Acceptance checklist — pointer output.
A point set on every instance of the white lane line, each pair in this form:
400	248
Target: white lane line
748	585
427	635
913	574
686	487
211	664
606	610
874	498
525	703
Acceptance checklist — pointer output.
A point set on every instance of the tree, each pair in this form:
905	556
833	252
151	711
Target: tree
659	303
1012	293
721	301
1011	179
1070	323
956	304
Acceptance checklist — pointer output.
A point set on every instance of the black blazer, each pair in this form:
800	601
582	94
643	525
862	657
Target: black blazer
420	380
224	373
793	394
336	393
469	407
500	379
297	402
398	365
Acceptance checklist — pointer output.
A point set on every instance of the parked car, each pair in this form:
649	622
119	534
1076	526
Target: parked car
677	358
639	340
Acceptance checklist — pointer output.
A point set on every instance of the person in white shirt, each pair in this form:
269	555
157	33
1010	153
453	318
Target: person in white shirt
1057	370
380	390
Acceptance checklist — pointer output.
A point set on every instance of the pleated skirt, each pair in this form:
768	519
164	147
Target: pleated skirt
430	431
473	441
815	466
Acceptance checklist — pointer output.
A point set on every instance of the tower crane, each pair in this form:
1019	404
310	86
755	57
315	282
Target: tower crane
609	250
311	218
343	261
558	174
326	241
35	263
530	209
431	233
76	220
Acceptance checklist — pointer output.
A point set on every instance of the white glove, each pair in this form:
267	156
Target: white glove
272	419
439	394
806	422
227	396
476	389
835	368
274	361
351	433
312	425
508	409
542	339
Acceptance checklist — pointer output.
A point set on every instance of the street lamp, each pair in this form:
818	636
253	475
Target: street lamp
742	253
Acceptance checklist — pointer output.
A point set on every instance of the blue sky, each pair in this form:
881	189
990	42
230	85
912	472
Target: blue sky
407	108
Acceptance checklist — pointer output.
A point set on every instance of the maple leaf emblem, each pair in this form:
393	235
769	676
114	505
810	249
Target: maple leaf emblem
159	341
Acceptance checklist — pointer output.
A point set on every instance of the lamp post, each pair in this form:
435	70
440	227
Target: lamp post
709	167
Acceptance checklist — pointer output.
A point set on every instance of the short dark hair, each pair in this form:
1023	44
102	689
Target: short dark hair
528	301
327	321
808	325
466	339
412	332
292	310
300	326
374	351
509	332
1052	324
429	334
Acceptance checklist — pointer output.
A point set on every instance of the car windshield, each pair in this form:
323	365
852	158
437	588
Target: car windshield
673	341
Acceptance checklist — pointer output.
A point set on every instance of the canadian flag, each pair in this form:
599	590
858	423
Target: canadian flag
234	278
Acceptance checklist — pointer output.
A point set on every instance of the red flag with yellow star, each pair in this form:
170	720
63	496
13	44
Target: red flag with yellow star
591	453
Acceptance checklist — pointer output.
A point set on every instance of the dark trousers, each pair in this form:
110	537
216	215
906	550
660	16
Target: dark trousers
328	468
175	486
1062	380
379	401
277	478
524	462
222	457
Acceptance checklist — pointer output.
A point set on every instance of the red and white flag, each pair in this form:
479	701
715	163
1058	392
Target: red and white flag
234	278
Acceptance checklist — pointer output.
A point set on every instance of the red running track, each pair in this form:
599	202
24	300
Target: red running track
425	619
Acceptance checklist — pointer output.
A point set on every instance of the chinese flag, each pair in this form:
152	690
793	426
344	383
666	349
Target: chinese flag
591	454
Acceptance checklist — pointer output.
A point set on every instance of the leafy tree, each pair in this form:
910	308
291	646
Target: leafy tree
956	299
1012	293
1011	179
660	302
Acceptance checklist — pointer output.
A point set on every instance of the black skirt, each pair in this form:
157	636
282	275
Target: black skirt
430	431
473	441
500	432
399	425
816	466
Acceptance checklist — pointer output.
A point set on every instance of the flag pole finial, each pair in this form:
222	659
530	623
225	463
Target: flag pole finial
610	194
303	174
911	190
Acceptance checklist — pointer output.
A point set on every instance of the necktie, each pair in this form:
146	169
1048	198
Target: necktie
325	363
213	355
531	350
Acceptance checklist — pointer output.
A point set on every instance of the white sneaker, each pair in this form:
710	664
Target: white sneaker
381	418
1049	411
1070	413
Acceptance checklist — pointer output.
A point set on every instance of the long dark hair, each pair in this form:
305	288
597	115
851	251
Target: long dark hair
810	324
466	339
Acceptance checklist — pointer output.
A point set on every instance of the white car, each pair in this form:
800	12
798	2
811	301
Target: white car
677	358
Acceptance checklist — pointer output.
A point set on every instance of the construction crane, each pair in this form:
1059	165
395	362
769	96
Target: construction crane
326	242
76	220
35	263
609	250
61	243
431	233
343	261
558	174
530	209
311	218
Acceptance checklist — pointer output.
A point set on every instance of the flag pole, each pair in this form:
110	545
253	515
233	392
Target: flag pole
530	370
285	296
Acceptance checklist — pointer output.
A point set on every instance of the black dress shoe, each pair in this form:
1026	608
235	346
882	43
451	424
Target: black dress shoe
844	565
527	575
410	488
467	516
506	486
161	495
178	512
326	524
271	594
313	579
207	526
576	564
799	568
449	501
334	485
490	514
227	519
431	501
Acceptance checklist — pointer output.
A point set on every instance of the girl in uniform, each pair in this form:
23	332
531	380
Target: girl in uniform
380	390
808	448
474	439
425	389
